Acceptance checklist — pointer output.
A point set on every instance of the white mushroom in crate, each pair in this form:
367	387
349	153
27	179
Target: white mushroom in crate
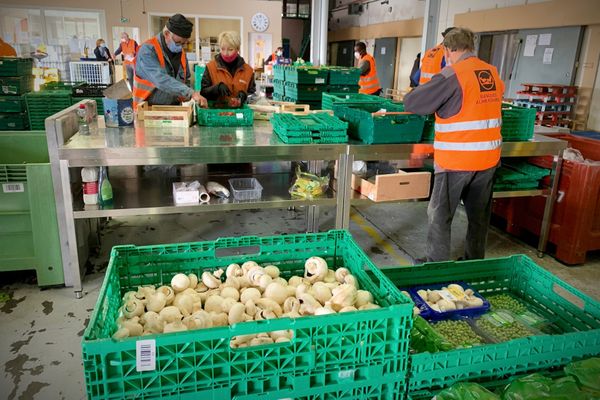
177	326
156	301
133	308
170	314
315	269
180	282
210	280
272	271
276	292
193	281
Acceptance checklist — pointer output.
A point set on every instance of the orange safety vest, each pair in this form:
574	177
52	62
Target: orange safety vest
431	63
237	83
142	88
471	139
273	58
369	83
128	48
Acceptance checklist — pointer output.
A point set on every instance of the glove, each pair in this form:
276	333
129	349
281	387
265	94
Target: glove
223	90
242	96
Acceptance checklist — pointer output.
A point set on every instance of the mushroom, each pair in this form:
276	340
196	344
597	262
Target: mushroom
180	282
416	311
214	304
324	311
193	280
250	307
435	307
351	280
340	274
250	294
177	326
260	341
283	340
197	307
236	313
237	341
219	319
281	334
248	265
474	301
348	309
290	290
315	269
133	326
301	289
269	305
280	280
196	297
423	294
272	271
227	303
264	281
276	291
343	296
234	270
230	292
184	303
264	314
121	333
152	322
295	281
144	292
369	306
308	304
469	292
330	276
156	302
320	292
363	297
133	308
210	280
233	282
168	292
453	287
254	276
198	320
446	305
433	296
170	314
291	307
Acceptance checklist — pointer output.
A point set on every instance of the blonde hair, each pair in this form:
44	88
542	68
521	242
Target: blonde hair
98	42
230	38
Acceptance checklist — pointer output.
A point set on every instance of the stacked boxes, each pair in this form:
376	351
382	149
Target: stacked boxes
309	128
16	79
52	98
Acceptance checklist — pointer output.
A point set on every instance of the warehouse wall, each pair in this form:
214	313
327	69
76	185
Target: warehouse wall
133	10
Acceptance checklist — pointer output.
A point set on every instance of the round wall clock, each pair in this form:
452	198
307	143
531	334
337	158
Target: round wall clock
260	22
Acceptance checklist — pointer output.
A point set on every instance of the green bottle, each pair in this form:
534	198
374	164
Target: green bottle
105	192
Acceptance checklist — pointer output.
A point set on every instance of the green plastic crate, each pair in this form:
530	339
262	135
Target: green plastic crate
366	124
279	72
277	96
225	117
279	86
14	121
429	129
510	186
306	75
517	123
15	66
344	76
41	105
16	85
316	139
308	125
573	312
13	103
350	99
342	88
28	223
201	364
304	92
198	74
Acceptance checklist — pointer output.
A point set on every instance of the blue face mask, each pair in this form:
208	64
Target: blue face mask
174	47
103	45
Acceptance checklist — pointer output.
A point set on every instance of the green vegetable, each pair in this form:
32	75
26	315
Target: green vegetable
424	338
502	326
466	391
507	302
459	333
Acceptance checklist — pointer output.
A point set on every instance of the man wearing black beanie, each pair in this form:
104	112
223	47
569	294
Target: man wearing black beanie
162	72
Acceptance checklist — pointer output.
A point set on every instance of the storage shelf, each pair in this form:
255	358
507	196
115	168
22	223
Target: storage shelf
154	195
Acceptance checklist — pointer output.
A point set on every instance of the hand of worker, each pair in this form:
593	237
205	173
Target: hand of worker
223	89
201	100
235	102
243	97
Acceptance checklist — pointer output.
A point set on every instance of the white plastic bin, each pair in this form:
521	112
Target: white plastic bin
90	71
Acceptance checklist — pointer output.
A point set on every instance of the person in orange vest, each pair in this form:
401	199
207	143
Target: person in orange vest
6	50
162	73
228	79
128	50
432	62
274	58
466	97
368	82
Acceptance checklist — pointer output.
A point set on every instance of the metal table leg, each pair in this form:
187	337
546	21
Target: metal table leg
550	199
342	217
312	212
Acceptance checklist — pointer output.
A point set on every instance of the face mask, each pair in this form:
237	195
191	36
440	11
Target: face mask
279	53
357	55
103	45
229	58
174	47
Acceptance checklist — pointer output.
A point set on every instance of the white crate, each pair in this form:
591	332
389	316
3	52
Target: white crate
90	71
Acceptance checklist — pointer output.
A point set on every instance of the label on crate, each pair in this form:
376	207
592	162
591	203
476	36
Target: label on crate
346	374
319	80
13	187
239	115
145	355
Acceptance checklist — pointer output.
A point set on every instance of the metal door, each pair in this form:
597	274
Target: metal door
385	60
345	54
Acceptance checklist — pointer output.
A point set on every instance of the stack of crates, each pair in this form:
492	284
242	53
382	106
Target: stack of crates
278	82
350	100
16	79
53	97
517	123
343	80
309	128
93	91
305	85
517	174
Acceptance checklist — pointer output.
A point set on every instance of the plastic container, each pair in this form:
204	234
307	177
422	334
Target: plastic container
14	121
350	99
41	105
502	326
279	72
225	117
89	178
304	92
245	189
15	66
428	313
517	123
576	315
306	75
90	71
342	88
337	354
12	104
89	90
344	76
16	85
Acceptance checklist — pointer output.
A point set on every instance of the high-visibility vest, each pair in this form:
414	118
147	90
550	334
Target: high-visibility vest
369	83
431	63
128	49
142	88
237	83
273	58
471	139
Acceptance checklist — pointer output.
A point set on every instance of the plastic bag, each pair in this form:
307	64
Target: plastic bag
308	186
466	391
425	339
537	386
587	373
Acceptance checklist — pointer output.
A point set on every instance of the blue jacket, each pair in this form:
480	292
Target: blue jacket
168	89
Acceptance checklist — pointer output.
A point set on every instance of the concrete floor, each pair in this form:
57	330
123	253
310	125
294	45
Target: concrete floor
41	330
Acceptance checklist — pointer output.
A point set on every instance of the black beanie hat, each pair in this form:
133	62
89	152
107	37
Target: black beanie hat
180	26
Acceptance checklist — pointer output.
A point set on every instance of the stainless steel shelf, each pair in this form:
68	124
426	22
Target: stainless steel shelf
153	195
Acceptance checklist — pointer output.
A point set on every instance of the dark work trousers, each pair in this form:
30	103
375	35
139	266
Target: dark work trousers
449	188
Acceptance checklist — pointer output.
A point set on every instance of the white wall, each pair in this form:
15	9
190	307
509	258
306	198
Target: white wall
409	48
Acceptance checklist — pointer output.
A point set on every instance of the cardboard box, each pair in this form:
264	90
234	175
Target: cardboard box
183	195
165	116
391	187
118	105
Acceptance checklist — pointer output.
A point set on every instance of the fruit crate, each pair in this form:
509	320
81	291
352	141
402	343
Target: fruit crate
517	123
303	92
201	363
344	76
14	121
29	237
89	90
574	313
429	129
13	104
342	88
306	75
15	66
349	99
370	124
16	85
279	72
225	116
41	105
198	74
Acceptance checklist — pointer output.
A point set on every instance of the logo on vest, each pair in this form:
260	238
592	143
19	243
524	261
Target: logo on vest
486	80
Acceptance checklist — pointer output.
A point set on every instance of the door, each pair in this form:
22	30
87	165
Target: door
409	48
345	54
385	61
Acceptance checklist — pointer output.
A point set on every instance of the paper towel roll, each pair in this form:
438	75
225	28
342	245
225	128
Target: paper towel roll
204	196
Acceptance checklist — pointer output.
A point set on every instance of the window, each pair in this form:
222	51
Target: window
21	28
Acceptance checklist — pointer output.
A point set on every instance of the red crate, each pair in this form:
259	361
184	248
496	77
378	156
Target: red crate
575	227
